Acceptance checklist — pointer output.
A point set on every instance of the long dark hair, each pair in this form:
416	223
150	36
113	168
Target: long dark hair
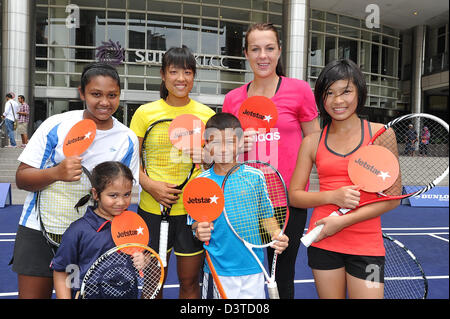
180	58
102	175
266	27
334	71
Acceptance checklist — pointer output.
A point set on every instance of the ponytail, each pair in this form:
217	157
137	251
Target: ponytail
163	92
83	201
280	69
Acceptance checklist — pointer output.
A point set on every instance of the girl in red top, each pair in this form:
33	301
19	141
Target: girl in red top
348	255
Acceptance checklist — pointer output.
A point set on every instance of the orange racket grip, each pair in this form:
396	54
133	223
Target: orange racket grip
219	286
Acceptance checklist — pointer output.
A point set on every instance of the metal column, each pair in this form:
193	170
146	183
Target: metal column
18	34
417	72
295	38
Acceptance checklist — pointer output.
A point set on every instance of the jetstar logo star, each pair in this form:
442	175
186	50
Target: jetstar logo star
203	200
372	169
79	138
131	232
384	175
181	133
267	118
140	231
214	199
259	116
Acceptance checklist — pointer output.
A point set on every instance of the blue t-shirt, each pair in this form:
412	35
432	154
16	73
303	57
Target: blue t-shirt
82	243
228	254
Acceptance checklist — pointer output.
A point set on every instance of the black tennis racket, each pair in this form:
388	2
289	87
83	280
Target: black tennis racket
129	271
163	162
404	277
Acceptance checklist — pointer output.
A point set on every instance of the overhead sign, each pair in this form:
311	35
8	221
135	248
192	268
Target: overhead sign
203	60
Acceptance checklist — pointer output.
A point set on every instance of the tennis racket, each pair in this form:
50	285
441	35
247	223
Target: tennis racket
256	207
404	277
204	201
129	271
55	203
164	162
417	174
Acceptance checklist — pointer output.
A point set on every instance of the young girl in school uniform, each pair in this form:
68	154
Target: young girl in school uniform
90	236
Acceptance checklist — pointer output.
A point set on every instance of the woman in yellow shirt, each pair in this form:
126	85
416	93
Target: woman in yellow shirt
177	72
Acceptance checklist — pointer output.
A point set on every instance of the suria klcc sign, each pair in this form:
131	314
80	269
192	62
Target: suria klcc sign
203	60
113	53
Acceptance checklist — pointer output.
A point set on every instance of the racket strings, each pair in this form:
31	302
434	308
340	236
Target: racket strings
162	160
403	275
252	207
276	190
56	205
117	276
423	157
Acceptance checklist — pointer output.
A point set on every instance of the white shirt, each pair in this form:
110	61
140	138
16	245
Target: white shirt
45	149
9	105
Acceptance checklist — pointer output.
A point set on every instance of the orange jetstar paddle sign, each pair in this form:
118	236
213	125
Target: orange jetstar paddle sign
79	138
374	168
129	228
186	132
258	112
203	199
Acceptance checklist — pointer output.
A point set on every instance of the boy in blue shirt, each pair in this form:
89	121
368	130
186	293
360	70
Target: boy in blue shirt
238	271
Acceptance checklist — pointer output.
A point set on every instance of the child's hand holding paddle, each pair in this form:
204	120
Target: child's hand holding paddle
69	170
203	231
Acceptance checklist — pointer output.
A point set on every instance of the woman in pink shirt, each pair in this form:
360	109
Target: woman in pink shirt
297	116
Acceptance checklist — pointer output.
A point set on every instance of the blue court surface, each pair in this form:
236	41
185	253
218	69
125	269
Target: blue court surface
425	231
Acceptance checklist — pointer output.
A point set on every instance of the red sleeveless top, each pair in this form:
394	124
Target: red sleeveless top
363	238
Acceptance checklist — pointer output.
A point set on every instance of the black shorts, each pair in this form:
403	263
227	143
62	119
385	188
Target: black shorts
32	253
369	268
181	238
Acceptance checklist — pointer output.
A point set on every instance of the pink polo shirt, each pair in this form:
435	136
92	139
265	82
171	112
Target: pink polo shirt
295	104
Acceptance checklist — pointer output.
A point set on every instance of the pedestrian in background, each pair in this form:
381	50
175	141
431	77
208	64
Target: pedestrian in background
24	118
10	116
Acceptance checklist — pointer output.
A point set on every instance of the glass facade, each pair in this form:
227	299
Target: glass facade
376	51
213	29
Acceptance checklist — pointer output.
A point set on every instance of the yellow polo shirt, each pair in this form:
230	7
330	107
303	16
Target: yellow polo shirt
151	112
